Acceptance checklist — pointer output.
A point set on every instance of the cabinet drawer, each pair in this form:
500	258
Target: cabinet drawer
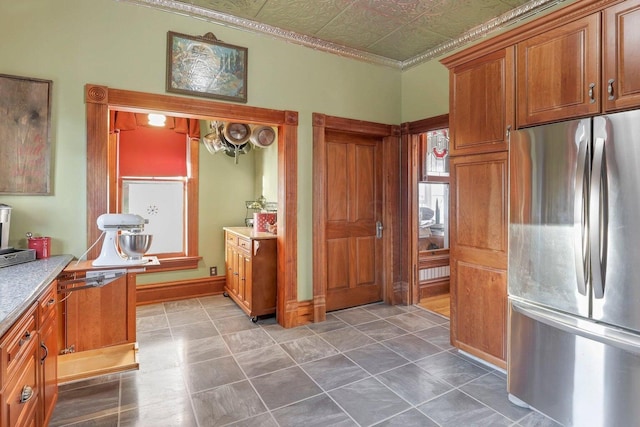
47	304
244	244
231	239
15	342
21	397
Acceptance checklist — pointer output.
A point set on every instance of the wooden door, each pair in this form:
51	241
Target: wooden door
479	255
558	73
481	94
621	76
353	208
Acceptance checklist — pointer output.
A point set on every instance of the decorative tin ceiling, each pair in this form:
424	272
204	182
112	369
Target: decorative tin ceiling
397	33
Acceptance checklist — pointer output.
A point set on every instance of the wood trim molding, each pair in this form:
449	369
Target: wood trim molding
99	99
177	290
425	125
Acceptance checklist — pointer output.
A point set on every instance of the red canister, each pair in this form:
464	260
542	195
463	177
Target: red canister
42	246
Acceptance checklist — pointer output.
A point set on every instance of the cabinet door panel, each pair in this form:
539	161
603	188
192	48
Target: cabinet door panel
558	73
621	77
479	254
481	301
482	104
479	208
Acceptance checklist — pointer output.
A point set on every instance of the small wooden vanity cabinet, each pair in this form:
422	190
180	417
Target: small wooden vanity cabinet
251	268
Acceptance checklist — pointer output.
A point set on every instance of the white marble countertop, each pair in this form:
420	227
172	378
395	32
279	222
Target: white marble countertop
21	284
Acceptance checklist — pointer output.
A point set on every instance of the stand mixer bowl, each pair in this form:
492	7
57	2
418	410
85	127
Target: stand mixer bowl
134	245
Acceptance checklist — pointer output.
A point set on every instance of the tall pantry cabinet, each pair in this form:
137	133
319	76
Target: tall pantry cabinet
481	117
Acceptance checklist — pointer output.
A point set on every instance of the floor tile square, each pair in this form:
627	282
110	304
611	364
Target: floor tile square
264	360
492	391
385	310
252	339
170	413
181	305
347	338
411	322
85	403
222	311
331	323
309	348
368	401
194	331
437	335
413	384
187	317
212	373
226	404
284	387
228	325
152	323
451	368
376	358
262	420
381	330
280	334
148	388
411	347
456	409
193	351
318	411
335	371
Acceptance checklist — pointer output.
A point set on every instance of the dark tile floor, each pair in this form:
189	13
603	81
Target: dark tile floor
204	363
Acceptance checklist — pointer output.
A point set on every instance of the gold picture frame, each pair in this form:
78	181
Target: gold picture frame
205	66
25	128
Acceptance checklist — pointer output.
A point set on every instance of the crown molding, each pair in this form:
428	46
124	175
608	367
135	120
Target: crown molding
518	14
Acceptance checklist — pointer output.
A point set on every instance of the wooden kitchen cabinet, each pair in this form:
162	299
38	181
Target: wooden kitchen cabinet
479	224
621	67
20	395
251	268
558	72
482	103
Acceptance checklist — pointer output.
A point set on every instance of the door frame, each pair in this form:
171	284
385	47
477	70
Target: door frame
412	163
390	134
99	99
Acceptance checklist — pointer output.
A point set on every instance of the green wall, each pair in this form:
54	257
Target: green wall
74	42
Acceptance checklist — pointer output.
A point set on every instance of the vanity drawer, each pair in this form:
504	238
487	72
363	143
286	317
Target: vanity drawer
232	239
244	244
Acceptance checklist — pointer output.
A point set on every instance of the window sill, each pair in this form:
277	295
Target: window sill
173	264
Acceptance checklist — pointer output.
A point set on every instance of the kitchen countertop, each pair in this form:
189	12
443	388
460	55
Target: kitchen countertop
250	233
21	284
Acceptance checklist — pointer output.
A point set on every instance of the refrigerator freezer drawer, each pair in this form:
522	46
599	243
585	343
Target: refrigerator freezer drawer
572	370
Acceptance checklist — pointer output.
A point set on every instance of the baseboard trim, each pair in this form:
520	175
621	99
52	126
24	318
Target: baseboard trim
178	290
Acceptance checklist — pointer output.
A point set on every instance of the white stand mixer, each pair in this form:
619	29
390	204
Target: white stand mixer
112	224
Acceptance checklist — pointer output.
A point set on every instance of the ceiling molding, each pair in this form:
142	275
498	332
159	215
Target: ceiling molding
518	14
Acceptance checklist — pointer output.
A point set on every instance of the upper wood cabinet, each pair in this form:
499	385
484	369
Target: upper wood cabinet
558	73
481	94
621	68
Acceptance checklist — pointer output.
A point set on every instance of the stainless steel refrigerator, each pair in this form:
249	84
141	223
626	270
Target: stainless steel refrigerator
574	270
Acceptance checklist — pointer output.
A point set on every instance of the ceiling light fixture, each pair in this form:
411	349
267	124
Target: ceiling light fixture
157	119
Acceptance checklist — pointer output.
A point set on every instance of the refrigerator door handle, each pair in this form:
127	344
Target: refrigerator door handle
580	247
597	219
576	326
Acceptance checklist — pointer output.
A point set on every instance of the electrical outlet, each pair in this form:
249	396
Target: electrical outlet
213	271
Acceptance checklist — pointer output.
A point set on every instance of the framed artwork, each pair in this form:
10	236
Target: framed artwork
25	125
204	66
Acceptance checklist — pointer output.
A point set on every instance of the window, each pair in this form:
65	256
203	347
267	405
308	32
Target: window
154	176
